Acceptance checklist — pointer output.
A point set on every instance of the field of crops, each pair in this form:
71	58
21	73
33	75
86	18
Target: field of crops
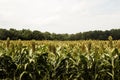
60	60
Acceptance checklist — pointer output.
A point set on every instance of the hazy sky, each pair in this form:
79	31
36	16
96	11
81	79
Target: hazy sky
60	16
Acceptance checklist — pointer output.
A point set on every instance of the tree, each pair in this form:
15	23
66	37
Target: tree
47	36
26	34
4	34
37	35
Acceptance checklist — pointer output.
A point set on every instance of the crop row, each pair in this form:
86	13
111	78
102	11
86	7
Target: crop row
60	60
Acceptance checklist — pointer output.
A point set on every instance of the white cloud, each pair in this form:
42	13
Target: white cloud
60	16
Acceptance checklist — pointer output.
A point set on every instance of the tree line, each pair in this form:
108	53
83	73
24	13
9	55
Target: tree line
26	34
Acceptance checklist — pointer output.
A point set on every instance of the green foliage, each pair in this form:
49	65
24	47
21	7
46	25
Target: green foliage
60	60
26	34
7	67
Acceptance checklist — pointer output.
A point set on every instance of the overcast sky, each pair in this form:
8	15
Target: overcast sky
60	16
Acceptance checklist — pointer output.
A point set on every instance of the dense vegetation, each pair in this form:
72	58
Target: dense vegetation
37	35
60	60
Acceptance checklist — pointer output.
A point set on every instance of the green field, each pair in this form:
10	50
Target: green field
60	60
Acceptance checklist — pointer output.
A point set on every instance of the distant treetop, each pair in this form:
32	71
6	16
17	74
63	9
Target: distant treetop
26	34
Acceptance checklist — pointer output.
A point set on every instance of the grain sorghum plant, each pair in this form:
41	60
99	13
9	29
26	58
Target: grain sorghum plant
8	43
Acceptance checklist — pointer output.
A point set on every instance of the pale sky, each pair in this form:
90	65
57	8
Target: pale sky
60	16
